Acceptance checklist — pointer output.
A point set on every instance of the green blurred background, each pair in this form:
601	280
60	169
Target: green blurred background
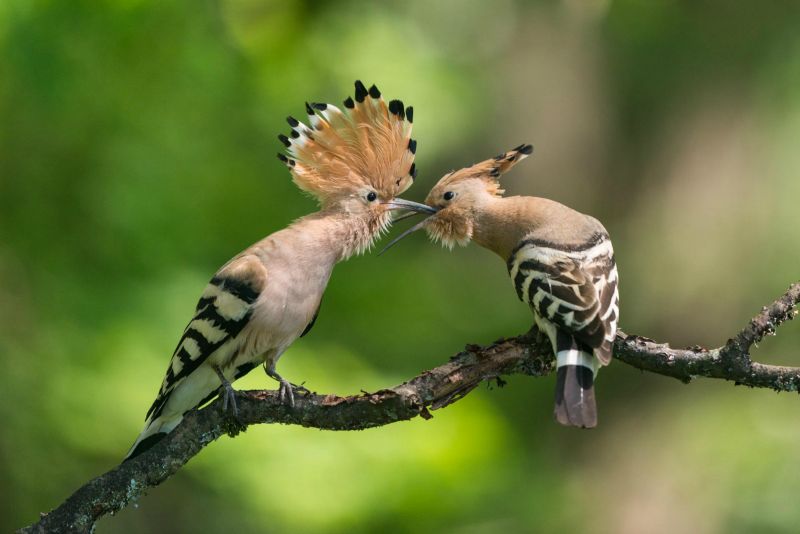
137	154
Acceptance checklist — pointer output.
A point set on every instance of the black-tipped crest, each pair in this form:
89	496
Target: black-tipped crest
361	91
525	149
489	170
283	158
396	108
413	170
359	144
410	113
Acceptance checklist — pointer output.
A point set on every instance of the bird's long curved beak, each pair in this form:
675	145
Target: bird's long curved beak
402	204
408	232
405	216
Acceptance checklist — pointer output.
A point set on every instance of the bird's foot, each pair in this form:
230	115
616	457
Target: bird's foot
231	424
287	390
286	393
229	398
228	394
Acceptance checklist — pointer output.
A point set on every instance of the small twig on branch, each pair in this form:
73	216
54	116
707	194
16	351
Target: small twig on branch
526	354
729	362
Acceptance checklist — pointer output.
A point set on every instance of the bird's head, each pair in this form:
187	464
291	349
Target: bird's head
357	160
460	195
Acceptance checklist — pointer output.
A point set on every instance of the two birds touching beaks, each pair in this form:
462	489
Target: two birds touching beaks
356	162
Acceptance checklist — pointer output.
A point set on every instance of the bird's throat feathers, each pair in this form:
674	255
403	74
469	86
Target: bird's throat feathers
454	229
344	234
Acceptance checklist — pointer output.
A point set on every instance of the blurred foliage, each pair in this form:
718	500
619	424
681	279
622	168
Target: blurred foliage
137	143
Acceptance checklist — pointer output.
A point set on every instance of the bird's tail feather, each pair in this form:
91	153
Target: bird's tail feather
143	444
575	403
197	383
154	431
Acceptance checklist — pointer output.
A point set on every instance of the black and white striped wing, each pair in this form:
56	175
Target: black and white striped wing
223	311
573	287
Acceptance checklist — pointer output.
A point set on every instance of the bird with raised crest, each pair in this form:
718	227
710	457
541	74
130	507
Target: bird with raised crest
560	261
354	162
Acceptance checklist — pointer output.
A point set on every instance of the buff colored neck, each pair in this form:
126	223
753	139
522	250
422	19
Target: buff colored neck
335	236
502	222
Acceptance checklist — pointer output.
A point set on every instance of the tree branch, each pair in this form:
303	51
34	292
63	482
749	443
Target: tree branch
528	354
729	362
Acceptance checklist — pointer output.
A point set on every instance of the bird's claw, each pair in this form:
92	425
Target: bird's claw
229	396
286	393
287	390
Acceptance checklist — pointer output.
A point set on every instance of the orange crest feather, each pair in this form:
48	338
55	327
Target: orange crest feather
368	144
489	171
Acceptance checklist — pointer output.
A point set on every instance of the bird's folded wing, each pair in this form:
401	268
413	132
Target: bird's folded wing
224	309
574	287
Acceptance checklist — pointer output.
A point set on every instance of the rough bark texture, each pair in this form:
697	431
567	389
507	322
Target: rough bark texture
526	354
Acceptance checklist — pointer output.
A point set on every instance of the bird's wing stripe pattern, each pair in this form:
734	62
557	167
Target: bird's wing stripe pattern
575	287
211	315
565	294
594	240
545	268
187	365
238	288
519	284
221	313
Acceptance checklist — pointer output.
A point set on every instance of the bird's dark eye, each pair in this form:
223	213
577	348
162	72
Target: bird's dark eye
371	196
449	195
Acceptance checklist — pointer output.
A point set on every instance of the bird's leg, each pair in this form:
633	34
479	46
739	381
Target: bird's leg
228	393
285	392
286	388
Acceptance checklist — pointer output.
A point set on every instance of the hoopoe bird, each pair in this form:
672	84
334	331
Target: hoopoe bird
354	162
560	261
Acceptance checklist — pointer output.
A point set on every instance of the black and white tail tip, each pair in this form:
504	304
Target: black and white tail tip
575	403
